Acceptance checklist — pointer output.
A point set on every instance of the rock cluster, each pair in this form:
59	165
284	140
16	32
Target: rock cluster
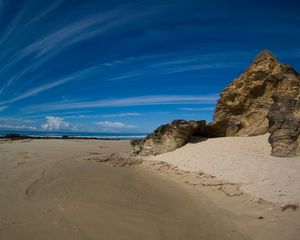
265	98
167	137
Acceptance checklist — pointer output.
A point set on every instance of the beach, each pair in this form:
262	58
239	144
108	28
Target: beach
62	189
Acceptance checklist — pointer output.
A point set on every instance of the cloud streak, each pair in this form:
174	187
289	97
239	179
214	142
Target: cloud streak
107	125
17	127
55	42
3	108
198	109
128	114
130	101
35	91
45	12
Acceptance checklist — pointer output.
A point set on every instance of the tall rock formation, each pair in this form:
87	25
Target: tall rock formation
265	98
244	105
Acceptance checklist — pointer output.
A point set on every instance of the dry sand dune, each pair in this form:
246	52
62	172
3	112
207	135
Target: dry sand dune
54	189
245	161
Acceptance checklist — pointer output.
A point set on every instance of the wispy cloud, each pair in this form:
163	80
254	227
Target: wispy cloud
17	127
114	125
45	11
129	114
64	37
3	108
53	43
35	91
131	101
198	109
10	28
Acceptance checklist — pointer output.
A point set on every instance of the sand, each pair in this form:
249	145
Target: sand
245	161
55	189
59	189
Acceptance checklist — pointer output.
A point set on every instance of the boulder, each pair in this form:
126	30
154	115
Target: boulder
244	105
284	121
167	137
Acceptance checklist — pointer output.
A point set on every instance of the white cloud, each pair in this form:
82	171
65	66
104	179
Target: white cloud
129	114
21	127
55	123
113	125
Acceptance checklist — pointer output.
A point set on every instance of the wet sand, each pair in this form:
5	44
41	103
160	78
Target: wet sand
57	189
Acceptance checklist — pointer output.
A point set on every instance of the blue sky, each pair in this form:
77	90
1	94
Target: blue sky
129	66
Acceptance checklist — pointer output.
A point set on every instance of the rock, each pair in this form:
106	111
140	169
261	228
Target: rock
264	98
167	137
244	105
284	120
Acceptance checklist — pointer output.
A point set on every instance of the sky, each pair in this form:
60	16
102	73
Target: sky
130	66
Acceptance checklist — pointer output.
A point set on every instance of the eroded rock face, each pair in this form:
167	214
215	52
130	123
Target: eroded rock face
167	137
244	105
284	118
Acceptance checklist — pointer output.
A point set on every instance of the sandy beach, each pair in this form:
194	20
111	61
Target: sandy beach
245	161
60	189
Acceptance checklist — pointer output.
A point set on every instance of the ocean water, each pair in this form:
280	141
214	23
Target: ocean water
77	134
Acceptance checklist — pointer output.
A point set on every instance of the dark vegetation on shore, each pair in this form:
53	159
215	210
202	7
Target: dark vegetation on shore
15	136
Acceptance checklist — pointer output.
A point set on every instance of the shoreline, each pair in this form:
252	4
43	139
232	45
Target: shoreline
63	138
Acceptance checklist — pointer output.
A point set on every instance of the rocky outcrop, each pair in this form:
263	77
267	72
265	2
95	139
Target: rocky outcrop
244	105
167	137
284	121
265	98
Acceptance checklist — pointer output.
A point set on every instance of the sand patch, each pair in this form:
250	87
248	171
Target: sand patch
62	195
245	161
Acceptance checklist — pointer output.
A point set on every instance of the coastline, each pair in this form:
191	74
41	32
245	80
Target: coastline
62	138
16	135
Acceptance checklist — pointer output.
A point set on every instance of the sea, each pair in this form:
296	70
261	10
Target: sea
100	135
